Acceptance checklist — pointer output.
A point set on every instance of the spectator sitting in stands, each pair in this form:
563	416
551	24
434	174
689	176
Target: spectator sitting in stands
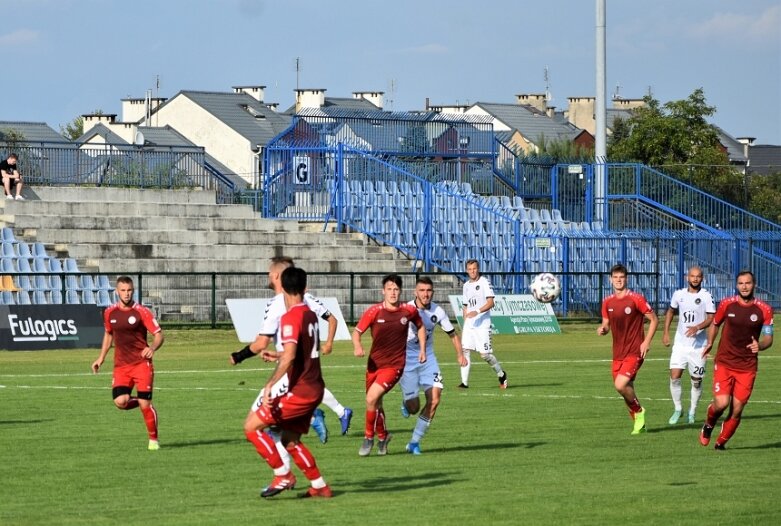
11	177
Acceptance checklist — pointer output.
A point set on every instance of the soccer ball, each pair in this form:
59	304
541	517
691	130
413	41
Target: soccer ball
545	287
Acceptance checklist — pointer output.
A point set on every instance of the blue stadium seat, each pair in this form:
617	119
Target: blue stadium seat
8	265
39	250
41	282
39	298
56	297
88	297
87	283
72	283
24	282
103	298
41	264
8	250
103	282
23	298
72	297
7	235
55	265
24	250
7	297
70	265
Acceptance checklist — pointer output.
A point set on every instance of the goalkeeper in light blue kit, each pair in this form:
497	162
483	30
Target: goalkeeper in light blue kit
425	376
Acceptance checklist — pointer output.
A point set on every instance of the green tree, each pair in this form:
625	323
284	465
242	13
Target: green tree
74	129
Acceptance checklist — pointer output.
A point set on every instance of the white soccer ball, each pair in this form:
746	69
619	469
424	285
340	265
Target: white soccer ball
545	287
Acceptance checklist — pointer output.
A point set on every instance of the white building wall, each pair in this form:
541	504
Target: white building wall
203	129
498	125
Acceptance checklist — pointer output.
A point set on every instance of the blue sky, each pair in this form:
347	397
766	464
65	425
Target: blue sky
62	58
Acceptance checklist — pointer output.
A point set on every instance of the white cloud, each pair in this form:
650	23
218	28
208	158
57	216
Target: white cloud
20	37
426	49
762	27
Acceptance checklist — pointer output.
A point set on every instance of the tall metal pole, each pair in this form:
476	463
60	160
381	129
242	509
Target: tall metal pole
600	149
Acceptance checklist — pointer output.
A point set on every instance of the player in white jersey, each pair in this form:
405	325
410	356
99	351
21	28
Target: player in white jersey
478	301
425	376
269	332
695	308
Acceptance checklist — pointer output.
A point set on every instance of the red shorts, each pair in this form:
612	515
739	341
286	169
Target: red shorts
732	382
290	412
141	375
627	367
387	377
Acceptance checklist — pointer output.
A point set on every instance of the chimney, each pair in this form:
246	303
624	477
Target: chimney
375	97
536	100
309	98
628	104
550	111
747	143
580	112
93	119
134	109
256	92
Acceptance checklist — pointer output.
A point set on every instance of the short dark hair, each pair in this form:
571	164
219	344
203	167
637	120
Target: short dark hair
470	261
294	280
395	278
125	279
619	268
424	280
13	156
746	272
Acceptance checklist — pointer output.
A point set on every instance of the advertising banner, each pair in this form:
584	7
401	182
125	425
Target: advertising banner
247	315
42	327
516	314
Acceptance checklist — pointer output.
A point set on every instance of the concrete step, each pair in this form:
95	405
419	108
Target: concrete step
192	237
117	222
131	208
258	265
217	252
122	195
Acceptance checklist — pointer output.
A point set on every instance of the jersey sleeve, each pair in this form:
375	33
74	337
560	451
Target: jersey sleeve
641	303
489	290
290	328
316	306
106	323
710	305
414	316
604	307
367	319
720	313
270	319
149	320
767	313
444	321
674	301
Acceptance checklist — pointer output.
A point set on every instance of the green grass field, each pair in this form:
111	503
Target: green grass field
554	448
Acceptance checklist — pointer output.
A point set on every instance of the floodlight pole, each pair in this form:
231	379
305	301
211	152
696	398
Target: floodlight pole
600	150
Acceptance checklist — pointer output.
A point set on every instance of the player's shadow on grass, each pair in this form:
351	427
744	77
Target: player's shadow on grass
774	445
196	443
698	425
505	445
16	422
524	386
405	483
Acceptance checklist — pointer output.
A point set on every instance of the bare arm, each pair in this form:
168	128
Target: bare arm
456	341
108	340
357	347
654	323
668	320
422	340
157	342
713	331
328	345
604	327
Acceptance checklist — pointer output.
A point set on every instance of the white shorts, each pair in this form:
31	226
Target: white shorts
477	340
420	377
684	357
278	390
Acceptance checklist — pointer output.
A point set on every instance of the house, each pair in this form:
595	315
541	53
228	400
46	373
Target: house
29	131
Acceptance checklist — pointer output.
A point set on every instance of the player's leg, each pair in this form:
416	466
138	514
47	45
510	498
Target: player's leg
486	350
431	383
723	386
345	414
624	373
696	374
744	386
468	346
143	376
374	392
7	187
122	397
410	380
305	461
677	365
273	432
254	426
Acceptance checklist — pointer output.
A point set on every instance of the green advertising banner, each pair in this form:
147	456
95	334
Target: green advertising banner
516	314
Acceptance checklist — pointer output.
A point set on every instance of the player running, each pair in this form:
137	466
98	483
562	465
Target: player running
426	375
694	306
291	412
389	322
748	329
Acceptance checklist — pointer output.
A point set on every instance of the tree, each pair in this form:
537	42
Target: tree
74	129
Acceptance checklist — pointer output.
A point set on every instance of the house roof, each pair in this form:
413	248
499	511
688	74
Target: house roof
101	130
611	114
347	103
168	136
529	121
764	159
32	131
250	118
735	149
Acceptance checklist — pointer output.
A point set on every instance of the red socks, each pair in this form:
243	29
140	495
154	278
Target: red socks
304	460
728	429
375	423
150	419
265	447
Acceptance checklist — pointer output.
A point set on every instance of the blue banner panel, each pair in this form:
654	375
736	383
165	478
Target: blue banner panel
43	327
